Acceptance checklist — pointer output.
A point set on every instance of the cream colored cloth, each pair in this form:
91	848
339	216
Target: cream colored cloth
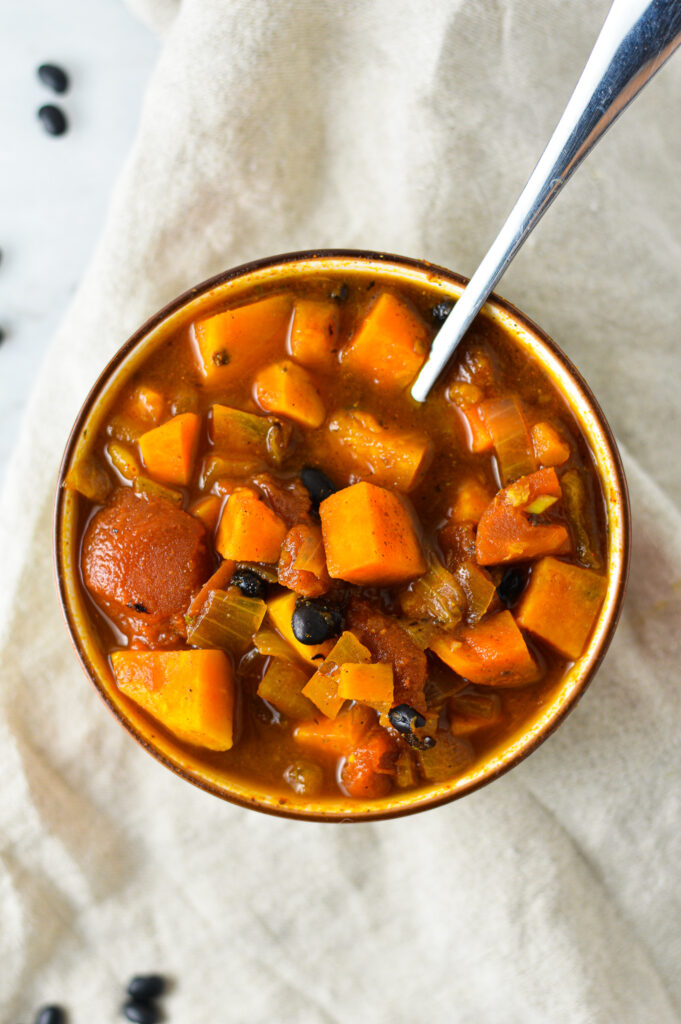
550	896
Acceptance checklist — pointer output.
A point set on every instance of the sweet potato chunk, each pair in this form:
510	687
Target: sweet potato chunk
322	689
388	642
191	693
390	345
471	498
549	447
143	559
369	537
230	346
492	653
168	451
336	736
561	603
249	531
390	457
288	390
313	340
369	684
506	533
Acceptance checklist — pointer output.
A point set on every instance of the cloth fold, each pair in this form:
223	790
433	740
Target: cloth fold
553	894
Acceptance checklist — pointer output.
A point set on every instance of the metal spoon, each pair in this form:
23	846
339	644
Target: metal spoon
637	37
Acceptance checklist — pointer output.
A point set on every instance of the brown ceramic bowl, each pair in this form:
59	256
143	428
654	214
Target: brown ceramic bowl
443	284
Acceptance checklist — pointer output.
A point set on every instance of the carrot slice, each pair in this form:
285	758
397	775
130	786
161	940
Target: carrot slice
230	346
249	531
168	451
392	458
505	532
390	345
191	693
492	653
479	437
288	390
549	447
561	603
314	333
369	537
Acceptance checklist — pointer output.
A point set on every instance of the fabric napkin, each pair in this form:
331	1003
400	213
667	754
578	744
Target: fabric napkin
552	895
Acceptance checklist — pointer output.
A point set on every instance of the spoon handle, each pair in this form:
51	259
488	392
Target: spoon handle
636	39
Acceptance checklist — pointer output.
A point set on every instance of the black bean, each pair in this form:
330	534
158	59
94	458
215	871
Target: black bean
249	583
50	1015
405	719
512	585
54	77
146	986
52	119
313	622
340	294
141	1013
425	744
318	485
440	312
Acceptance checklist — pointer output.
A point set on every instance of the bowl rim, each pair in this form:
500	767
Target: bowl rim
617	480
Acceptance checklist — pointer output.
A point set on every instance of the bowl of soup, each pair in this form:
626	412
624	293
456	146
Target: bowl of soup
307	593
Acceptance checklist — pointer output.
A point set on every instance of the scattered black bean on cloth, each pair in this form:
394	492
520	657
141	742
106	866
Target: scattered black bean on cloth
54	77
140	1012
50	1015
146	986
53	119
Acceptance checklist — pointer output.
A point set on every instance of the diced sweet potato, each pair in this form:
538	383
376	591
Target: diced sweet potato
249	531
392	458
390	345
370	767
322	688
168	451
191	693
146	404
288	390
471	498
302	563
208	511
336	736
313	340
506	533
230	346
369	537
369	684
561	604
282	686
549	447
280	610
388	642
491	653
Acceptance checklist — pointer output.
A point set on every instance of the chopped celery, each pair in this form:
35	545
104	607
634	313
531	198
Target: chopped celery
435	595
446	759
123	459
322	689
469	712
124	428
150	489
238	432
89	477
576	503
280	438
478	587
406	772
214	467
421	631
282	687
505	421
272	644
228	621
265	572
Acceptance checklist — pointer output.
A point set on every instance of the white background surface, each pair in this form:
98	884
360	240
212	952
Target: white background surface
54	190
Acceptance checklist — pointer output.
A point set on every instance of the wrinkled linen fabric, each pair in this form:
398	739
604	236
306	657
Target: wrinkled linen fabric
552	895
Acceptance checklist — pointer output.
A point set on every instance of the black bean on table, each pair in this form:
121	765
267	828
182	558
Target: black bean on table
50	1015
140	1012
146	986
512	585
249	583
313	622
317	484
54	77
53	119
